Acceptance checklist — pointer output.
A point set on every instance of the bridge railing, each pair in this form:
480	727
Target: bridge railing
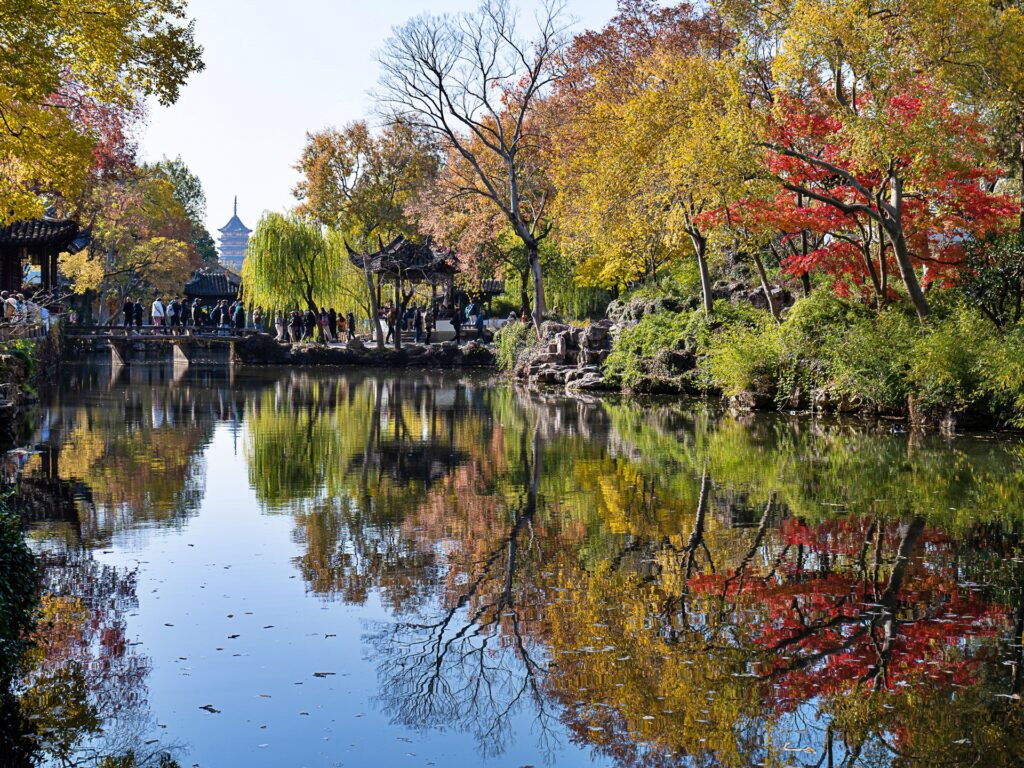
156	332
15	331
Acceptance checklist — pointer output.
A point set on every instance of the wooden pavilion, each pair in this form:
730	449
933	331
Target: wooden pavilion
403	262
37	241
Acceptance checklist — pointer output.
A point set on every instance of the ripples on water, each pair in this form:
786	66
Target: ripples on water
291	568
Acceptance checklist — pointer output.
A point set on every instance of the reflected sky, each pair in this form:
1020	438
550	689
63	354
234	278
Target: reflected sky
364	569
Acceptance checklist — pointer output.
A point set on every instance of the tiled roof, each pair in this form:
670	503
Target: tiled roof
39	232
403	257
218	284
235	225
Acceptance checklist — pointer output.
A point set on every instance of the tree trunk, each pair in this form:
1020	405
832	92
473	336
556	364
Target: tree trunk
374	307
700	247
763	277
540	307
805	279
524	292
1020	200
399	312
894	229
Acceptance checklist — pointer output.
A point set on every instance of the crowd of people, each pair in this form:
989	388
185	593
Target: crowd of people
18	309
328	325
177	314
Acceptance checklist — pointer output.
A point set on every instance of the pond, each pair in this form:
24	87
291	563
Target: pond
292	568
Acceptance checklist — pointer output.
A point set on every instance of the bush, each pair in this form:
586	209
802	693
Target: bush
744	358
638	355
18	594
1001	376
946	362
868	362
511	341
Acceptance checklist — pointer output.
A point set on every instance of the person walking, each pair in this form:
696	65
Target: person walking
457	325
481	322
296	327
239	316
157	311
325	327
351	322
332	322
417	324
171	314
279	327
257	319
392	325
140	313
127	309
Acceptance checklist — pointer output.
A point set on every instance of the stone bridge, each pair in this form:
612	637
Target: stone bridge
183	343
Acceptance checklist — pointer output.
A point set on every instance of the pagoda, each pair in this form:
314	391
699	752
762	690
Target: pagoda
234	239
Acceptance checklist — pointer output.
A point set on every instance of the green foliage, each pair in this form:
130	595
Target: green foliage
993	278
18	594
747	357
24	350
511	341
641	355
292	263
1001	375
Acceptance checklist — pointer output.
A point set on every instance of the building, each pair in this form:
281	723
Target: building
213	285
39	242
234	239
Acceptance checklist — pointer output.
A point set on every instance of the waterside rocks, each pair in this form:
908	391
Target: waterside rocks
569	356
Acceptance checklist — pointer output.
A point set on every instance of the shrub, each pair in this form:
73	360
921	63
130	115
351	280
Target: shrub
1001	375
745	357
946	362
640	356
511	341
869	361
18	594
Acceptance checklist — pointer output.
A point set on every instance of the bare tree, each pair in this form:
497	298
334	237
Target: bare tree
473	82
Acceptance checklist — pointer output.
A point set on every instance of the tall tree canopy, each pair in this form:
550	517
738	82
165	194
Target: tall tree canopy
73	74
474	82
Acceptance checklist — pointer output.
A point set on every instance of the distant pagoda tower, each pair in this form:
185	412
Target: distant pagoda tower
234	239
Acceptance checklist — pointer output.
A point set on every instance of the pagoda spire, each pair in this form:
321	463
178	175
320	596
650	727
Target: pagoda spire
236	205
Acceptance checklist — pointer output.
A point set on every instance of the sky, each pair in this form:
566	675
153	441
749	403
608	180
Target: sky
275	71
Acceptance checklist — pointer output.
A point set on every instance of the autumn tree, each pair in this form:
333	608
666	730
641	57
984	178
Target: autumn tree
360	185
473	82
74	75
188	190
141	239
291	262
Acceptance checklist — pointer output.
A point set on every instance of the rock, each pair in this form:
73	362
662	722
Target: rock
356	345
752	401
591	381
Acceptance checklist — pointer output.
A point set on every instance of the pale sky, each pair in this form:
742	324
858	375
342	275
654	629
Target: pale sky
275	70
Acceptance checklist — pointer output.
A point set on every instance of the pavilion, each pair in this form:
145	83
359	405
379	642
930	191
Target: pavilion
403	261
213	285
37	241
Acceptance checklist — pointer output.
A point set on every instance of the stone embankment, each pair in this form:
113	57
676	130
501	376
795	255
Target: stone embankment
263	350
570	356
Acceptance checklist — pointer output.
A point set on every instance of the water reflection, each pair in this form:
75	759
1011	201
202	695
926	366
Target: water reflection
656	585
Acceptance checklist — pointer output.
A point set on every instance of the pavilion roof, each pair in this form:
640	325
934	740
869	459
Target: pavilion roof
42	233
404	258
215	283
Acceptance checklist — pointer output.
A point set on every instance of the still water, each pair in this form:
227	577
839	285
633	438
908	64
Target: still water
281	568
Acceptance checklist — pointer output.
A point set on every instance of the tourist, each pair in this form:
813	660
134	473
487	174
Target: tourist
417	324
140	313
525	318
431	323
351	323
480	322
158	312
128	311
186	313
308	325
225	317
325	326
511	318
279	327
296	326
457	326
22	307
239	316
332	322
170	314
392	325
257	319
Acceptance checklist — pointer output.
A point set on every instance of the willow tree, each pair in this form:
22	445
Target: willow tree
291	263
